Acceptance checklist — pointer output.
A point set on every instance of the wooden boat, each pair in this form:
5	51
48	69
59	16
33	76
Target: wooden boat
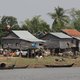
20	67
55	66
7	67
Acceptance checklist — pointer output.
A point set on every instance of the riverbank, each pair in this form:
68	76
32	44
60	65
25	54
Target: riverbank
40	62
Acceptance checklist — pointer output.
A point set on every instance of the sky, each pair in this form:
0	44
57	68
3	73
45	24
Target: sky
24	9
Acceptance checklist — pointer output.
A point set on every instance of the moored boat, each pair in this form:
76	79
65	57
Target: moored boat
7	67
57	65
20	67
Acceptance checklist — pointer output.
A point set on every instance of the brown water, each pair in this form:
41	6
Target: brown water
41	74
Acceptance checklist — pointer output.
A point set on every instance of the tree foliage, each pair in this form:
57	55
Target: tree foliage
8	23
11	21
36	24
60	19
75	18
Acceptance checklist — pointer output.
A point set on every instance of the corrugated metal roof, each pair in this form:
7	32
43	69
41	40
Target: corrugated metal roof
25	35
60	35
77	38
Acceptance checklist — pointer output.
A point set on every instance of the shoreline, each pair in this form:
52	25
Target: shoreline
40	63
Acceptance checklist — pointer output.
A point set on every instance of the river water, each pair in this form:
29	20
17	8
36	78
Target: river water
41	74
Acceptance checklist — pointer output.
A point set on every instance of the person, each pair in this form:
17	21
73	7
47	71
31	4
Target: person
4	53
17	52
1	50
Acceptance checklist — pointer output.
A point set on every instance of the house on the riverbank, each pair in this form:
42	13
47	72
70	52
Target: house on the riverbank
57	40
75	35
20	39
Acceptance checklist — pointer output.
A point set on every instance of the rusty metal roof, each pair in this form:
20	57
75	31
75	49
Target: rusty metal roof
72	32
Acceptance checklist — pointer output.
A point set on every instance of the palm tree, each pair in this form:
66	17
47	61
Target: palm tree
60	19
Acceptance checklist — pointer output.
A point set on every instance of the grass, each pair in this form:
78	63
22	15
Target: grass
34	62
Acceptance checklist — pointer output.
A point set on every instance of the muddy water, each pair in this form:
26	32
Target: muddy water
41	74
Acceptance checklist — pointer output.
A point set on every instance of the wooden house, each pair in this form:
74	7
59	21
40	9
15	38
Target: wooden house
20	39
75	35
57	40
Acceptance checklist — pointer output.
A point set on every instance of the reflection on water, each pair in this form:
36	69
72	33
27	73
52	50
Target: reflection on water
41	74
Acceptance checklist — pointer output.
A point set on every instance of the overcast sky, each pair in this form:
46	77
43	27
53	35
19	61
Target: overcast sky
23	9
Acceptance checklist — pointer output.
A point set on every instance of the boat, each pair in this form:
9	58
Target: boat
7	67
57	65
20	67
3	66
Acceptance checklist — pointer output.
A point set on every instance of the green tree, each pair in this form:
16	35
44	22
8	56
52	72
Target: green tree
75	18
36	24
60	19
8	23
11	21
